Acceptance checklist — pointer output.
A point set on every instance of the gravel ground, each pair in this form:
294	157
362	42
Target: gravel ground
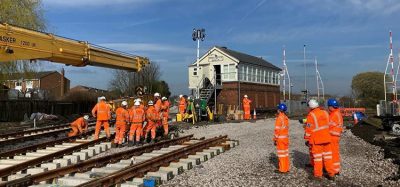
253	162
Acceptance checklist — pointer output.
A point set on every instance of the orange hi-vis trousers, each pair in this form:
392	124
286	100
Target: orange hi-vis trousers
311	155
151	126
246	110
336	153
120	130
182	109
165	123
98	127
322	154
283	155
136	129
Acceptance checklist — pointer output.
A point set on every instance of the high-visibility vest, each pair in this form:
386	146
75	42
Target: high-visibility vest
79	123
318	127
151	114
182	102
137	115
102	111
246	102
122	116
336	123
158	105
281	127
165	108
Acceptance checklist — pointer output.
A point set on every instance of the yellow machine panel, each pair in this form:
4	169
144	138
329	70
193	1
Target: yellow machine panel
22	44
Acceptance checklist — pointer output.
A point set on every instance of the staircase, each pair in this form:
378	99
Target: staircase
207	92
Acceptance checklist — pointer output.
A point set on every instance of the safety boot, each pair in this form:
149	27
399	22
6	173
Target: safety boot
312	177
331	178
152	141
131	143
113	145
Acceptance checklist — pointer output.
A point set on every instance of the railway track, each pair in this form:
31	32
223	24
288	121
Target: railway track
125	166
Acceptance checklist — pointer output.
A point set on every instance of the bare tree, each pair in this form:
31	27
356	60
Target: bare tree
124	82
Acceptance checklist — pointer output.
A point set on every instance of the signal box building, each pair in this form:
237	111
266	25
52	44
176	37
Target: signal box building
235	74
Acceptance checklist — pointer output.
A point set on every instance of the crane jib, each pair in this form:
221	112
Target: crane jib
8	39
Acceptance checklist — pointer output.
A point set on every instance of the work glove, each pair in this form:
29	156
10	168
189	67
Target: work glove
307	144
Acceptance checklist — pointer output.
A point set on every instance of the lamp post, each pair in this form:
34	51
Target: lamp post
197	35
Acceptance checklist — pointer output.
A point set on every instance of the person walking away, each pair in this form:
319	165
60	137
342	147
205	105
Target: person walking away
281	139
152	120
182	105
158	106
80	126
320	140
122	118
246	107
102	112
165	114
137	117
336	129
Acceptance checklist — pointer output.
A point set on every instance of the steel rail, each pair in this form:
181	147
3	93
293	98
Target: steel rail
88	164
25	165
141	168
22	133
29	137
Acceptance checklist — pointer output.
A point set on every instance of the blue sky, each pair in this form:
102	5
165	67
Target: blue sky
347	36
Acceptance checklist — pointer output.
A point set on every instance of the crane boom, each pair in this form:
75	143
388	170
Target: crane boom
23	44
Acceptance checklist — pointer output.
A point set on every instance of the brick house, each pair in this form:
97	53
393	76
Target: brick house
235	74
52	82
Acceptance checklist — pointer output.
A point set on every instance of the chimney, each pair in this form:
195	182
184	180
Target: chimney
62	82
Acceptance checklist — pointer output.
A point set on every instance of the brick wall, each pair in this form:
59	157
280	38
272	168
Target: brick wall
262	95
52	83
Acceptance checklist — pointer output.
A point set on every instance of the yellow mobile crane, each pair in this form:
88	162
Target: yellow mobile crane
23	44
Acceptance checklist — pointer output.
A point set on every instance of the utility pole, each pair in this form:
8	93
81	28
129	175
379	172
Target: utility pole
305	91
197	35
285	76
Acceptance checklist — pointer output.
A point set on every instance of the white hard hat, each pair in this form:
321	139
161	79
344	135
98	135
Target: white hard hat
86	117
156	94
102	98
150	103
124	103
137	103
180	96
312	103
163	98
138	99
245	96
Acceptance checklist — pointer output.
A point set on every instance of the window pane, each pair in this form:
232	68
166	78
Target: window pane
232	71
225	72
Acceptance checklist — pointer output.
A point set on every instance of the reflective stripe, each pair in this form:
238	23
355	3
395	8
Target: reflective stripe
317	155
327	157
308	134
335	133
281	136
327	153
282	151
283	155
337	170
336	163
320	128
317	159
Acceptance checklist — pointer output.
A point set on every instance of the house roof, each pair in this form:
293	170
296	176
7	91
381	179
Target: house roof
88	88
242	57
37	75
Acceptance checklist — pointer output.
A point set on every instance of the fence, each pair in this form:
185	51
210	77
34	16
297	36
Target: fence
14	110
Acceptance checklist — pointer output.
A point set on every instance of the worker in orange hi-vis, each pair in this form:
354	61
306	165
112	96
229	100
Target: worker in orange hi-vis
320	139
335	128
158	106
137	117
80	126
165	114
122	118
246	107
281	139
182	105
152	118
102	111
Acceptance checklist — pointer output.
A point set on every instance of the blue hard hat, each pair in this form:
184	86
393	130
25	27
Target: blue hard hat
333	103
282	107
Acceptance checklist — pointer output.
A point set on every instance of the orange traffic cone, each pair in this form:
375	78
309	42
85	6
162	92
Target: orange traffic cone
254	114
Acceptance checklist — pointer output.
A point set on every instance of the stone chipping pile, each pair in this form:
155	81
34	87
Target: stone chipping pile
253	162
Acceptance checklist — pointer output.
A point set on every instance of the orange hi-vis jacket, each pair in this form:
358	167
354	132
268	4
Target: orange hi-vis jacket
158	105
79	123
336	123
281	128
182	102
122	116
101	111
152	114
246	102
137	115
165	108
317	128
